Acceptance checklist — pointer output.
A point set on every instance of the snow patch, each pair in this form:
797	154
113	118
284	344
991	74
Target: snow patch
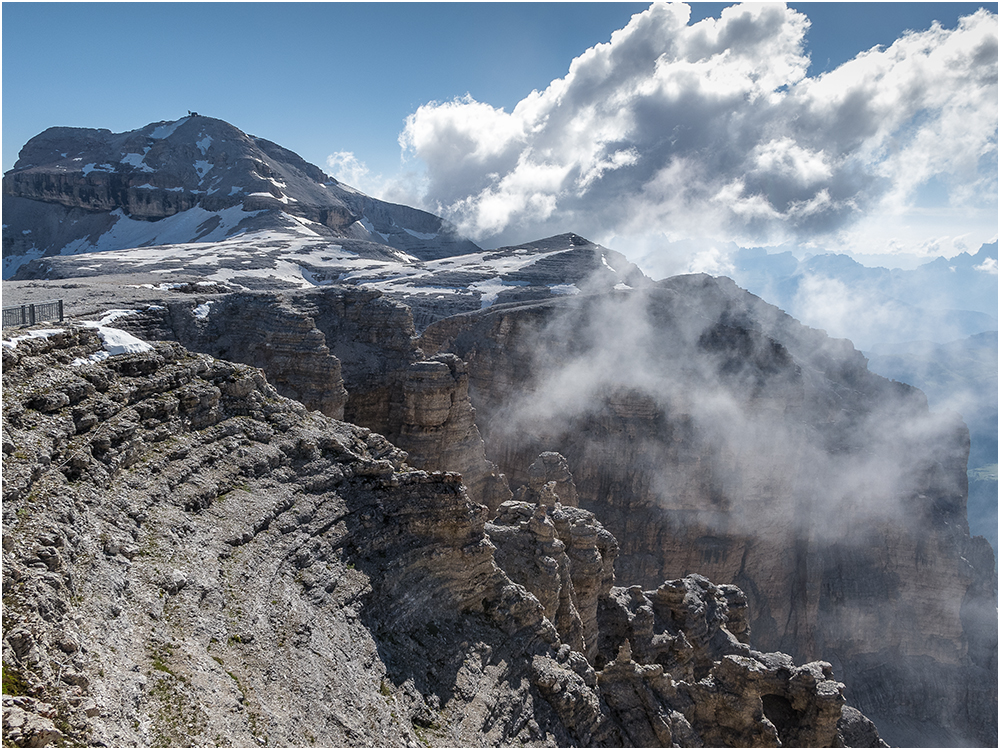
12	263
201	311
95	167
167	129
564	289
179	228
42	333
491	288
370	228
117	341
203	144
136	160
112	315
202	168
95	357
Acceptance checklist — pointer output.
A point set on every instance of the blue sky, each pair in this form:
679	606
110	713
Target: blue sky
341	78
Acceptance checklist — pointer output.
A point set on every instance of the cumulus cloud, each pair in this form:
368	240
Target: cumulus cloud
714	129
404	187
344	166
988	266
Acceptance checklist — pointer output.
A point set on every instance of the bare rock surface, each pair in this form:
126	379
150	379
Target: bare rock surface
713	434
191	559
349	353
196	179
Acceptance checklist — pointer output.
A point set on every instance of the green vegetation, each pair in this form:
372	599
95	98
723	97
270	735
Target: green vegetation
14	683
178	722
159	657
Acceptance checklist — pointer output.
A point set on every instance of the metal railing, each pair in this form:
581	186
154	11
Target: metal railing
36	312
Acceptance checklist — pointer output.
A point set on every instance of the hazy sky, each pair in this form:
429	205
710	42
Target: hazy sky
625	122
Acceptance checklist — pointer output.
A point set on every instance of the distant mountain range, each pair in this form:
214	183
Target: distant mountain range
934	327
942	300
960	376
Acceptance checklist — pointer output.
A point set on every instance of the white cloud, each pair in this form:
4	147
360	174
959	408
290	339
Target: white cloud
714	129
988	266
344	166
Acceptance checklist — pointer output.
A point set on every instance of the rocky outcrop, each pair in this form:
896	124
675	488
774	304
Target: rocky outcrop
438	427
178	538
672	665
564	557
191	559
711	433
549	467
350	354
221	177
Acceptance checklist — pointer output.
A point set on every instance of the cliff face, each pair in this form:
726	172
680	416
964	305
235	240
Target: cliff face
740	445
189	558
79	189
350	354
711	433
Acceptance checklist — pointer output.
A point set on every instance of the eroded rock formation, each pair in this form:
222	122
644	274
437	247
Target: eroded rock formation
190	558
713	434
348	353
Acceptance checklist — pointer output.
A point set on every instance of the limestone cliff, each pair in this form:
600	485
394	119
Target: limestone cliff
713	434
350	354
744	446
191	559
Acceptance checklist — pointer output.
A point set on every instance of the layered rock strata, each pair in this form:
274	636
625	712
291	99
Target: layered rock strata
711	433
191	559
72	186
349	353
672	665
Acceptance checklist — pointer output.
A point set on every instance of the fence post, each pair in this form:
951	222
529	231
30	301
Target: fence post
60	311
31	313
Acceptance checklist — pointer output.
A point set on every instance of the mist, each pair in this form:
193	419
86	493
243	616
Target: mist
739	419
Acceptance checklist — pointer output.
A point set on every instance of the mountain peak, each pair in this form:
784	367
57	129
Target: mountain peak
83	190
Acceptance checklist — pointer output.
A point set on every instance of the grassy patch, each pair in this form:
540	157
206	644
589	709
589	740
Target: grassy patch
14	683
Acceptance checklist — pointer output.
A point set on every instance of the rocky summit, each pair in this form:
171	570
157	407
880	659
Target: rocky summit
196	179
324	473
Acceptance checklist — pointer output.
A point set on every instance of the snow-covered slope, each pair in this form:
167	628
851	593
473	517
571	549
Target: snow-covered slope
300	257
197	179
